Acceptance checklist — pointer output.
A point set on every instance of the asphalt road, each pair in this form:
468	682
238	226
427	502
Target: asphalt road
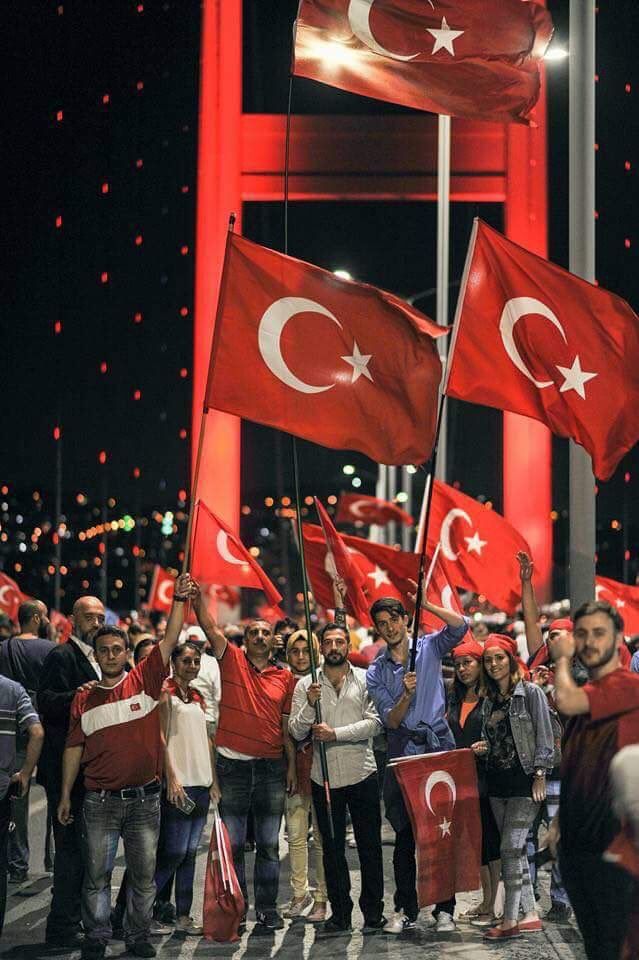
27	907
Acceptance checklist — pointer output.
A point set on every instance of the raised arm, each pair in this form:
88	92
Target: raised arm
571	700
339	598
213	633
529	604
183	591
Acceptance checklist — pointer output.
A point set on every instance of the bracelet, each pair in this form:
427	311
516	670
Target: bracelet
180	599
540	775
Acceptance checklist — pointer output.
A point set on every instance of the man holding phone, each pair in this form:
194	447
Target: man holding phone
17	715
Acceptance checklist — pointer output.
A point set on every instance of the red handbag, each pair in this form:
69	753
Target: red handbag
223	907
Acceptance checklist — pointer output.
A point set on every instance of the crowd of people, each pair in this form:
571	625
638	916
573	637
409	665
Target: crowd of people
135	733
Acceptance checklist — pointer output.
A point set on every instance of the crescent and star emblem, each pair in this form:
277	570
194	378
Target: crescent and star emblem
574	377
222	544
441	776
269	340
163	595
359	509
358	14
604	593
474	544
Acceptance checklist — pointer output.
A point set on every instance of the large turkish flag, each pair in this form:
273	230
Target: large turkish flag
338	558
534	339
478	546
161	591
340	363
359	509
441	796
624	598
11	596
219	556
468	58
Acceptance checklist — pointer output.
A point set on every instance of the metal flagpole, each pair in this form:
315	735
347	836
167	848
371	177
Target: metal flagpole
582	548
391	536
407	487
443	258
377	534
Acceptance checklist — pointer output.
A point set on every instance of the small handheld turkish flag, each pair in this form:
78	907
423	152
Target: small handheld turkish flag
623	598
478	546
11	596
439	591
467	58
345	566
441	796
358	508
161	592
340	363
219	556
534	339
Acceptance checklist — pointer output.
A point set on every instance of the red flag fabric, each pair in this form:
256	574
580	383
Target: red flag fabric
467	58
219	556
440	592
223	905
441	796
11	596
624	598
340	363
478	546
161	592
61	624
532	338
339	557
358	508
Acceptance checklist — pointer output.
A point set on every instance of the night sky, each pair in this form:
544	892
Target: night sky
99	224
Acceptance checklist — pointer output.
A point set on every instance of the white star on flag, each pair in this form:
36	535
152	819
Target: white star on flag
475	545
445	826
575	378
444	37
359	362
379	576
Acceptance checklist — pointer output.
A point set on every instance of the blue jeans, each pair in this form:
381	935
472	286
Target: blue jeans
258	786
104	820
180	834
548	810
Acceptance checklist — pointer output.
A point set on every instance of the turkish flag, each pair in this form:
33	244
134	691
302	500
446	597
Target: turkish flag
358	508
478	546
219	556
61	624
11	596
467	58
161	592
440	592
532	338
441	796
624	598
337	362
339	559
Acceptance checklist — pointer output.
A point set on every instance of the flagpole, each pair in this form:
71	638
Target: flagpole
581	154
200	442
443	262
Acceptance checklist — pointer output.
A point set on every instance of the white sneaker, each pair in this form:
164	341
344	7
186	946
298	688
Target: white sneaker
300	909
187	927
445	923
398	923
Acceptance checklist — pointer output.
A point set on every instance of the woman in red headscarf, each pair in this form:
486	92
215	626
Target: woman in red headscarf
465	721
517	741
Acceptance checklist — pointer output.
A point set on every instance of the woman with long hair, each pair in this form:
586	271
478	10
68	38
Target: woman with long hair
517	740
465	721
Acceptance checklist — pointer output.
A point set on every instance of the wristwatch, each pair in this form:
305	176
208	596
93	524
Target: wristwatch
539	773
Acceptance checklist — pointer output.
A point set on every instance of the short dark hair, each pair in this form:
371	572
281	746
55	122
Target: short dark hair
388	605
136	629
27	610
332	626
179	650
141	647
285	623
107	631
256	620
599	606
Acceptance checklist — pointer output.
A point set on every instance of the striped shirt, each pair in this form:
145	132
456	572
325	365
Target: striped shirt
16	715
119	728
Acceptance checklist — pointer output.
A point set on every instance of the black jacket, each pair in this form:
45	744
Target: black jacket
65	669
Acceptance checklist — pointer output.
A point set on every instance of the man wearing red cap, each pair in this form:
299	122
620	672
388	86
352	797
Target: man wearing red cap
604	718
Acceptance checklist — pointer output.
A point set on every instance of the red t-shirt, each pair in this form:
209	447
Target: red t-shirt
586	817
119	728
252	705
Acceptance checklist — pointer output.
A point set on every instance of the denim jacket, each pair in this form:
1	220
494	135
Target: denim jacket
530	724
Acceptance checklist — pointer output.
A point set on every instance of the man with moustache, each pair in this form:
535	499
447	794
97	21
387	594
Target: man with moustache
411	705
21	659
69	667
255	755
604	718
349	724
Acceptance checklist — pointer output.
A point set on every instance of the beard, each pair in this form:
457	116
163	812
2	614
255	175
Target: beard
604	657
335	659
43	631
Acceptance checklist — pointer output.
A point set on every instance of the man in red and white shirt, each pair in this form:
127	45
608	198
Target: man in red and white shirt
114	735
256	758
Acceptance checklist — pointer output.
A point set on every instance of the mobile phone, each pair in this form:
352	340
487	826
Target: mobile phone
186	805
15	790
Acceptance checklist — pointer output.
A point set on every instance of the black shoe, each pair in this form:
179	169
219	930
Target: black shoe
374	926
164	912
141	948
70	940
93	950
249	846
18	877
242	925
331	928
270	920
559	913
